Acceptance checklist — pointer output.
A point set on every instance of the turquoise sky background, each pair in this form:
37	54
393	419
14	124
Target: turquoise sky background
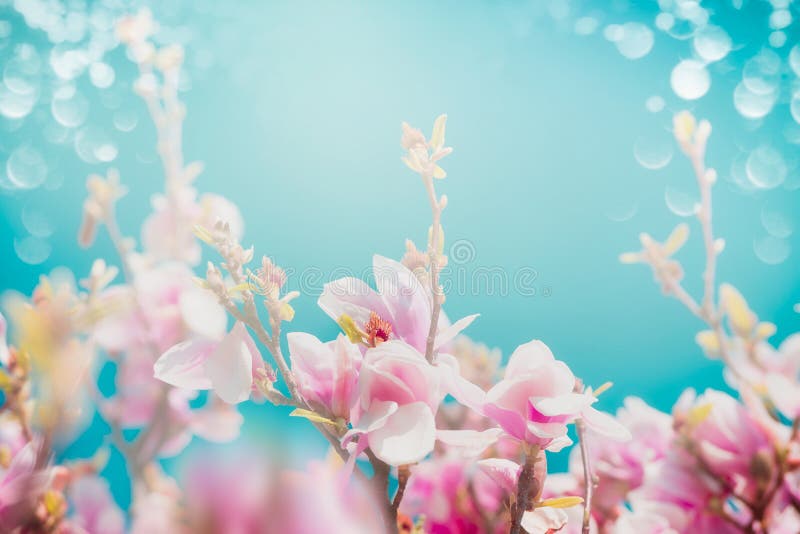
295	109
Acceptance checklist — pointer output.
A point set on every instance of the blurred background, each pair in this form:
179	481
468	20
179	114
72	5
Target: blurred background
560	117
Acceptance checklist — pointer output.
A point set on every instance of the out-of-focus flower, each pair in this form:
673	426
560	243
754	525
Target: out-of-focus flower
99	205
95	511
134	29
228	493
620	467
729	441
170	308
227	366
658	255
685	497
452	497
326	373
400	302
317	500
536	400
20	486
422	155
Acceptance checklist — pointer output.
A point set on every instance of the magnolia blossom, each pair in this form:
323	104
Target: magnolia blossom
226	366
400	308
399	393
167	234
732	443
536	399
326	373
163	308
453	496
95	511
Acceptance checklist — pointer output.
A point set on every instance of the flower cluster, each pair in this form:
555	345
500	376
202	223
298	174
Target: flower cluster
429	432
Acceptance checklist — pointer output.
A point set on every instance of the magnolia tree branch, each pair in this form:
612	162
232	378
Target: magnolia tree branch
527	489
435	257
589	481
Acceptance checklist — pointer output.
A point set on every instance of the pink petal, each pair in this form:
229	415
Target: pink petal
408	303
407	436
230	366
528	357
353	297
605	425
568	404
183	365
202	314
504	472
217	424
464	391
449	333
543	520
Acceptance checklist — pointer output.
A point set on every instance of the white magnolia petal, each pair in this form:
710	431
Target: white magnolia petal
605	425
202	314
230	366
544	520
464	391
503	471
183	365
217	424
449	333
570	403
407	436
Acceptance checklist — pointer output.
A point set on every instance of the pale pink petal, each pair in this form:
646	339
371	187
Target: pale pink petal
784	393
202	313
217	424
230	366
183	365
544	520
567	404
503	472
408	303
464	391
407	436
528	357
449	333
605	425
353	297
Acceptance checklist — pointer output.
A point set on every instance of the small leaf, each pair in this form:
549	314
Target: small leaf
312	416
560	502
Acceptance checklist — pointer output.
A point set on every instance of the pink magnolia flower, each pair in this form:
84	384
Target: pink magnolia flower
732	442
167	234
621	466
321	500
20	485
229	493
95	511
451	495
678	492
400	308
536	400
326	373
399	393
170	308
227	367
